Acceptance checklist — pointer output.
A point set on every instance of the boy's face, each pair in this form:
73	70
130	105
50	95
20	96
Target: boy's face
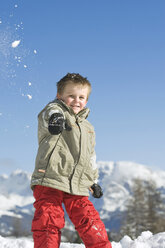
75	96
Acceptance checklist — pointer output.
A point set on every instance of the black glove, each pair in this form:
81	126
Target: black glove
57	123
97	190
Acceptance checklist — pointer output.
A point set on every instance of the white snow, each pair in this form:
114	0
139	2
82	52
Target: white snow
145	240
15	43
35	51
29	96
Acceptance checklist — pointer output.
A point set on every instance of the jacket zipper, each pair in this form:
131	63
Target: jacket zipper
71	190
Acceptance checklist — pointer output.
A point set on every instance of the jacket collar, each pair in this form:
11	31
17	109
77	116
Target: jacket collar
83	114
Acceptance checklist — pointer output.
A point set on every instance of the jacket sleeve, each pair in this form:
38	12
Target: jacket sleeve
49	111
94	167
93	162
43	120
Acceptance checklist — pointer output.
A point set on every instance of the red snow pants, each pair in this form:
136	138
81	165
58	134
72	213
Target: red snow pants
49	219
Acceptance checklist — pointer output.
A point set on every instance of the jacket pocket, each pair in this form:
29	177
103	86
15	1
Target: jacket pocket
87	177
60	164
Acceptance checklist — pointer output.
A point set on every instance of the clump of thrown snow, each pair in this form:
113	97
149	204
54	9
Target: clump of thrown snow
15	43
145	240
29	96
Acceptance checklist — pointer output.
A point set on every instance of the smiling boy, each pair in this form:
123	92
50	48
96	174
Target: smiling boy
65	169
75	96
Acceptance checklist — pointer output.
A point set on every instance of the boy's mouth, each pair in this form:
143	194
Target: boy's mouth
76	109
75	106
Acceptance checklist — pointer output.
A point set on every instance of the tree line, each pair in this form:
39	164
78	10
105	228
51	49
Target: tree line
145	211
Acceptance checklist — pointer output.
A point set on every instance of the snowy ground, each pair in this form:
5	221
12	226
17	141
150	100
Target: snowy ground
146	240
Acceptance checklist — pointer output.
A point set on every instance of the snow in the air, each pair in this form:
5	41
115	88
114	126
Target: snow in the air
145	240
29	96
15	43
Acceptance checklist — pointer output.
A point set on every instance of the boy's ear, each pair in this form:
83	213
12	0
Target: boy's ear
58	96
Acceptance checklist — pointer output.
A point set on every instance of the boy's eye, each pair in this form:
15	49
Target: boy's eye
81	97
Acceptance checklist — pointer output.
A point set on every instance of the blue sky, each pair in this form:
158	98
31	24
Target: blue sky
118	45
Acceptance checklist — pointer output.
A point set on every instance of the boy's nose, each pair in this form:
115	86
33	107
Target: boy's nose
76	99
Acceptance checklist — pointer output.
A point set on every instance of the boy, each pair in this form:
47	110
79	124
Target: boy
65	168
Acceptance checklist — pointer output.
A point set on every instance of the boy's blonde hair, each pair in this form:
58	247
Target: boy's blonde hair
74	78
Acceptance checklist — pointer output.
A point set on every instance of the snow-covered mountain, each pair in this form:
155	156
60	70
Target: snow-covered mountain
16	200
16	208
116	180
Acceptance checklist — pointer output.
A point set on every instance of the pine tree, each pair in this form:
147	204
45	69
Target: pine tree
145	210
156	209
134	222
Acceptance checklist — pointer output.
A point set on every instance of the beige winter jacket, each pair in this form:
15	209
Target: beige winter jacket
65	161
